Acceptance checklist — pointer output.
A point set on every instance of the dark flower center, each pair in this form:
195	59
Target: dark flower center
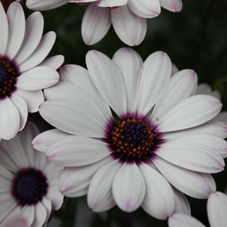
8	75
29	186
132	140
6	3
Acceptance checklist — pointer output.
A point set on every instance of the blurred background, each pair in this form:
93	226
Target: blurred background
195	38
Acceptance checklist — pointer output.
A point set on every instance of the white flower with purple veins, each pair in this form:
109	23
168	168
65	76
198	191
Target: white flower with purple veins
127	16
23	73
29	182
127	131
206	89
216	210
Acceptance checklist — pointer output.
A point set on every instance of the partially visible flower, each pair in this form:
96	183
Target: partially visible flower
28	181
206	89
23	73
127	16
126	130
216	209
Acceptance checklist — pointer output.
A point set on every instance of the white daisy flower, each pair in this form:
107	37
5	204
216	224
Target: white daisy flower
216	210
128	17
28	181
23	73
163	134
206	89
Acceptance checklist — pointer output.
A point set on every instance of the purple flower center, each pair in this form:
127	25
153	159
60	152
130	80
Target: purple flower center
8	75
29	186
132	140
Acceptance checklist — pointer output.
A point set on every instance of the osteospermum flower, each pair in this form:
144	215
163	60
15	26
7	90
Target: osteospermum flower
216	210
126	130
28	181
23	73
206	89
127	16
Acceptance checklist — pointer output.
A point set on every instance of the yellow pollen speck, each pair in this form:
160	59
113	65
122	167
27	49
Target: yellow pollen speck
156	119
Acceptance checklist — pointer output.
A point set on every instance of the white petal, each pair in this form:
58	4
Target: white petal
145	8
9	119
77	151
128	187
55	196
130	28
6	176
196	185
100	196
33	99
191	112
74	182
191	156
108	80
222	117
205	89
111	3
16	220
4	30
215	128
44	5
16	21
80	77
159	198
28	212
44	140
217	209
181	203
33	34
54	62
154	74
174	69
37	78
181	86
40	53
48	206
172	5
182	220
64	115
129	62
22	109
40	215
96	23
211	142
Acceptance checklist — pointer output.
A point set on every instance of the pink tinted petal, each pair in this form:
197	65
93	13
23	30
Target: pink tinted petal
16	21
128	187
159	198
172	5
9	119
33	99
40	53
130	28
75	151
44	5
183	220
190	112
129	62
4	30
145	8
54	62
37	78
74	182
96	23
33	34
217	209
196	185
108	79
154	74
44	140
100	196
17	220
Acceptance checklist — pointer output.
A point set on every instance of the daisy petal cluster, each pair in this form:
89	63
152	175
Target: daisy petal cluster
23	71
216	210
28	182
128	17
129	134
